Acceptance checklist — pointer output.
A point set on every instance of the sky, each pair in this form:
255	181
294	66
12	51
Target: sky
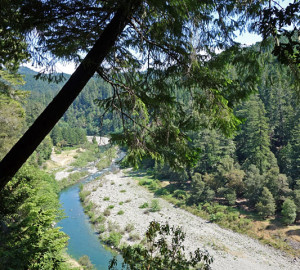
69	68
245	38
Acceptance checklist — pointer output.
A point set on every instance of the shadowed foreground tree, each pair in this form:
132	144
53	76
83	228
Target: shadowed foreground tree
143	48
164	250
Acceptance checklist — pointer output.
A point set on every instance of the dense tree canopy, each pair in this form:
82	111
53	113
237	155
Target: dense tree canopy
143	49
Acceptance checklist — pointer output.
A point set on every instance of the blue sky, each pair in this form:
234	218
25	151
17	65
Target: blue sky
245	38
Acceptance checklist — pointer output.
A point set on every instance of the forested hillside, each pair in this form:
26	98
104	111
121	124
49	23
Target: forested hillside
83	113
259	165
29	204
219	121
260	162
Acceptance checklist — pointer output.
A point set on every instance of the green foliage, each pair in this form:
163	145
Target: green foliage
297	199
114	239
29	204
83	194
254	183
158	254
230	197
144	205
155	206
288	211
253	142
100	219
106	212
134	237
91	153
129	227
121	212
85	262
12	120
266	205
72	179
180	194
200	192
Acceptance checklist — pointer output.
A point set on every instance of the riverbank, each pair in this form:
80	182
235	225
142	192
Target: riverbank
121	205
70	166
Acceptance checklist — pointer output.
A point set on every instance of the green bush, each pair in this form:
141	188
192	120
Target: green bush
288	212
106	199
162	192
101	228
134	237
114	239
129	227
100	219
144	205
89	207
155	185
106	212
121	212
180	194
83	194
86	263
155	206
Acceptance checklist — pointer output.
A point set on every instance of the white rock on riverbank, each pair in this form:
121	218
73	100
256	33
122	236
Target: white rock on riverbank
100	140
230	250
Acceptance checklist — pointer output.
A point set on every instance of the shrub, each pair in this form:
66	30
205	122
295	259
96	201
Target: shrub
100	219
144	205
134	237
231	197
266	205
121	212
155	206
114	239
288	211
167	256
89	207
180	194
106	199
154	185
83	194
129	227
123	191
101	228
106	212
113	227
86	263
110	206
121	203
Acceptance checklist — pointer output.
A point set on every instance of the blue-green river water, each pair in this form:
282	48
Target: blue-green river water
83	239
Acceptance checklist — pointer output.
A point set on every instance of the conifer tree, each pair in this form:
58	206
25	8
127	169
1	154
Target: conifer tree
254	183
266	205
253	141
288	211
295	151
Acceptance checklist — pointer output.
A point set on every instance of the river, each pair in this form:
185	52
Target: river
83	239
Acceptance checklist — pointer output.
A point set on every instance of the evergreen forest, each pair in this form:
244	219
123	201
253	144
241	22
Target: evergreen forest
165	81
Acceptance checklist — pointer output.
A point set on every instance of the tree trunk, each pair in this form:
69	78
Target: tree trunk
22	150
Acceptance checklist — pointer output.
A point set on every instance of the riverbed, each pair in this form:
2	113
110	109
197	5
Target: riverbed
83	239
